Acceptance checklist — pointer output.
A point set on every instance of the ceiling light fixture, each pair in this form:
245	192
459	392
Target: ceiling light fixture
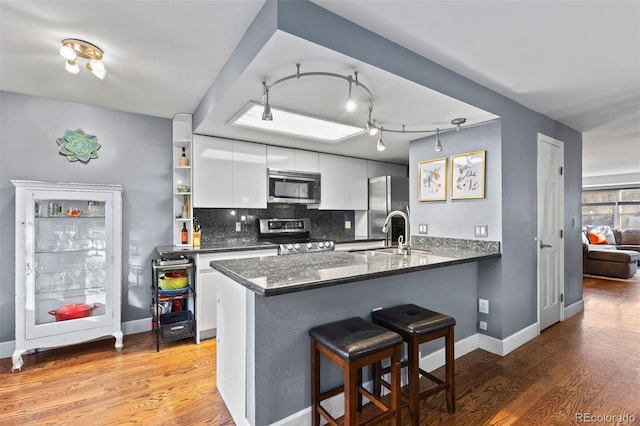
72	49
370	125
380	145
438	146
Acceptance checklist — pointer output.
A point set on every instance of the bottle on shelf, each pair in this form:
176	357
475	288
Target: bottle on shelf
185	234
184	161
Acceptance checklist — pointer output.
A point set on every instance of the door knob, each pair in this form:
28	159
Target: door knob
543	245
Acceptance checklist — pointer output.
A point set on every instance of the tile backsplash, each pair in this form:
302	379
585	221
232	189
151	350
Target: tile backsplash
220	224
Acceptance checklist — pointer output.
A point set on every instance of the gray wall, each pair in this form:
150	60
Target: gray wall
456	218
282	323
136	152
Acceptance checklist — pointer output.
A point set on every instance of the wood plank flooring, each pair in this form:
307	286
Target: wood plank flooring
588	364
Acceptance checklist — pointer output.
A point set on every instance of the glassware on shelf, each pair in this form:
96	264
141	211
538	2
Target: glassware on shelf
74	274
59	280
71	231
58	232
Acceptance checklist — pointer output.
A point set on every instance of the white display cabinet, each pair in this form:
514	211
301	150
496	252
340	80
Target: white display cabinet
68	272
182	178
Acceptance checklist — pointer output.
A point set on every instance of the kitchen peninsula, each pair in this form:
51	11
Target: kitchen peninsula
266	305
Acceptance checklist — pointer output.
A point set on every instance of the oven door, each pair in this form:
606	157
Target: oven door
293	187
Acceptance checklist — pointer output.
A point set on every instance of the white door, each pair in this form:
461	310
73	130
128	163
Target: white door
550	243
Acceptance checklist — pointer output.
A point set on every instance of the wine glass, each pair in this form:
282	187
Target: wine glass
74	274
58	232
71	231
59	279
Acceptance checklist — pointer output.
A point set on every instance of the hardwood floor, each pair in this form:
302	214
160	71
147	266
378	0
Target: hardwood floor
588	364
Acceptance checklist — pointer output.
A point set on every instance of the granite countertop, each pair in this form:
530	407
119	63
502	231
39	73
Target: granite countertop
274	275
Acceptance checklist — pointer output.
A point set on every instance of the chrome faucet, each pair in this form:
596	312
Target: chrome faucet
403	241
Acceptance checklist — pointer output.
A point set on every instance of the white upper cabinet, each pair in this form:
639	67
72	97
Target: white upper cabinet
280	158
249	175
379	168
356	184
332	185
291	159
228	173
212	172
306	161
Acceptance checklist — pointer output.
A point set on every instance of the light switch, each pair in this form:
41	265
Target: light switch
423	228
347	224
238	226
480	230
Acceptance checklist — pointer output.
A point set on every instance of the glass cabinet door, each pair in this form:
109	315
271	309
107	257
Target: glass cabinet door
68	253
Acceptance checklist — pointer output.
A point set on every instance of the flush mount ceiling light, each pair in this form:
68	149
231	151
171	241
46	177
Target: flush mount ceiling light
370	127
72	49
292	123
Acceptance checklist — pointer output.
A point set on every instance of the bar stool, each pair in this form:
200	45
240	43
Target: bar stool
352	344
418	325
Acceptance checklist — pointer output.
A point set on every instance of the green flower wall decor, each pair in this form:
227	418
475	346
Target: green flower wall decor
78	146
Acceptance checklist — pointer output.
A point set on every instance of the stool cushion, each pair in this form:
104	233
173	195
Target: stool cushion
411	319
354	337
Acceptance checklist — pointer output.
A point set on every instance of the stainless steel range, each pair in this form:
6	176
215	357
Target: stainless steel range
292	236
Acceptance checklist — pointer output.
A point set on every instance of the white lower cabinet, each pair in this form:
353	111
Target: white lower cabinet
207	286
68	271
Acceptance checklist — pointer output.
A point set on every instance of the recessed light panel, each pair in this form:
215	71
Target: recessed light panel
295	124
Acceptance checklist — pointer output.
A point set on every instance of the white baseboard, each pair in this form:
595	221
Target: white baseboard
129	327
503	347
573	309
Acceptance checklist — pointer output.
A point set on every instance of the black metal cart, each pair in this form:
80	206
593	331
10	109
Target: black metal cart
173	310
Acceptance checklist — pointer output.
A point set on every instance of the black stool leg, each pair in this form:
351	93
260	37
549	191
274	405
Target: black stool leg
396	362
359	394
315	383
450	372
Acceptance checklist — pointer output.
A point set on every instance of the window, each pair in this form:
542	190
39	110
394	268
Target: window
616	208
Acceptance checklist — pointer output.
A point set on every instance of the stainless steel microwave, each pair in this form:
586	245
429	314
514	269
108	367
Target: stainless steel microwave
293	187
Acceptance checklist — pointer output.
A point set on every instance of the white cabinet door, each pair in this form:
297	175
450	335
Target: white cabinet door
249	175
306	161
379	168
332	184
280	158
212	170
356	184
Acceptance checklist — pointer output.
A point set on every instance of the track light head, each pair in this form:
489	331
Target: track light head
438	146
351	104
266	113
380	145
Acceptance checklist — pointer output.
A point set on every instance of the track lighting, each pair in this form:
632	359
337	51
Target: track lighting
380	145
72	49
370	125
458	122
266	113
438	146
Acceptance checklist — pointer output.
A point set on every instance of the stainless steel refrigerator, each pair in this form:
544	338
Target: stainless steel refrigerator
387	193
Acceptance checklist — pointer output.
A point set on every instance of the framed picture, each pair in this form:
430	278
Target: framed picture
432	180
467	175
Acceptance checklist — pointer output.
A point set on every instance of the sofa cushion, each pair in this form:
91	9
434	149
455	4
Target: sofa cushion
596	237
630	237
618	235
622	256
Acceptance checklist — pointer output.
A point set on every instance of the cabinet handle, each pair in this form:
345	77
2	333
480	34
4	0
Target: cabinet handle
27	269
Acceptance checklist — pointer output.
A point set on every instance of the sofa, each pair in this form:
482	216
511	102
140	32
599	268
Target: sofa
610	252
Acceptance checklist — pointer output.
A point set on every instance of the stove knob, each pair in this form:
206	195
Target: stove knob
296	246
289	247
309	246
329	244
320	244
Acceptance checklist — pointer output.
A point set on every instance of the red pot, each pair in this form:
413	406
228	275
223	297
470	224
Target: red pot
74	311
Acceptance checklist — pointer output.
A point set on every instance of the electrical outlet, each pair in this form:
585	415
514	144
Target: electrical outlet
483	325
483	306
347	224
238	226
423	228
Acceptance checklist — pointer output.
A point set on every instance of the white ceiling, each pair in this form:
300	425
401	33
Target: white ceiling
575	61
